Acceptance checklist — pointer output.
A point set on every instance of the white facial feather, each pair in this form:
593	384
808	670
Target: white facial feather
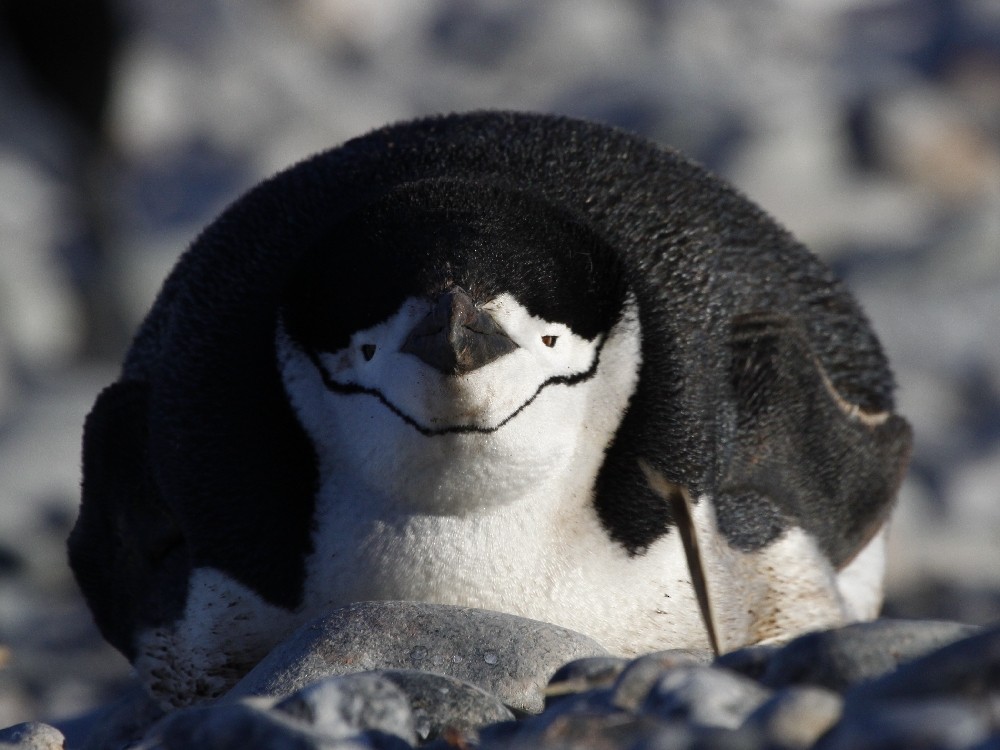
482	399
499	429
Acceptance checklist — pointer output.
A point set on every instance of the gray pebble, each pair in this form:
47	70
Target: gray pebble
969	668
508	656
581	675
121	722
233	726
844	656
354	711
252	725
796	717
589	731
342	707
638	678
31	735
442	703
704	696
750	661
943	723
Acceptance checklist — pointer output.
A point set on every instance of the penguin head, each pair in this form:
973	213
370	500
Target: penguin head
465	334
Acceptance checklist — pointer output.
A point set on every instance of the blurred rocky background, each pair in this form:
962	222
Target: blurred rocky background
870	129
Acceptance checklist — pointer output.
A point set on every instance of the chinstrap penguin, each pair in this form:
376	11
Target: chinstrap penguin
463	360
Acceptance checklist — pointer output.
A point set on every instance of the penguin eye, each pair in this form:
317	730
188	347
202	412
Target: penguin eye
549	341
368	351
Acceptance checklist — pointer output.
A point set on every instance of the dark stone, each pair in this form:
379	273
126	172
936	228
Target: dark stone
354	711
940	723
443	705
705	697
343	707
968	668
593	731
123	721
796	717
234	726
844	656
638	678
750	661
11	561
582	675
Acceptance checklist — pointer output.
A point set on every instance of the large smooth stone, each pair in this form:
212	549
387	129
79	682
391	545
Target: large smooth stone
511	657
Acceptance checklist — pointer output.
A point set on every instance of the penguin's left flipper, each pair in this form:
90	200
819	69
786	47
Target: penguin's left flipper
808	484
126	549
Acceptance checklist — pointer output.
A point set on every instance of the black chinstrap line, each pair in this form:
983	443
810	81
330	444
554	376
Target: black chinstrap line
353	388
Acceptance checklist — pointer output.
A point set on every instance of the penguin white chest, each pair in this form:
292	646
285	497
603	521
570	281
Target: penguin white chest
472	488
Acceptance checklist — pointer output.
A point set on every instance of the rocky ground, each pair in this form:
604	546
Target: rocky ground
871	129
399	674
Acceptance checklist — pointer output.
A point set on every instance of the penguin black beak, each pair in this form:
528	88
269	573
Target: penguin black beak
457	337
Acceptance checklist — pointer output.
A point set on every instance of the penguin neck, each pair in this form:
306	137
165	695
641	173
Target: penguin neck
442	539
394	471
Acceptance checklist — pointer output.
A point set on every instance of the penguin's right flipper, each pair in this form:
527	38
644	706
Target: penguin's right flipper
809	481
126	550
801	453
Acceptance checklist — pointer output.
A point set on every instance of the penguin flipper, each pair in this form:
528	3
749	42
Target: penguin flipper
801	454
126	550
809	480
